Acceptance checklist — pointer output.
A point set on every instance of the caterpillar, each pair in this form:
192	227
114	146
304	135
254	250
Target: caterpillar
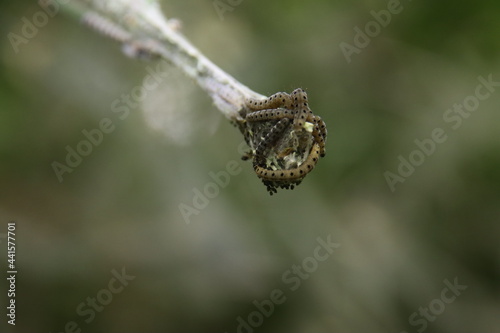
269	114
295	103
302	111
274	101
291	174
270	140
319	133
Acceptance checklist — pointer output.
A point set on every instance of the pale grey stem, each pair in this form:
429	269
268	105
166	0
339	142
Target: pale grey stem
142	23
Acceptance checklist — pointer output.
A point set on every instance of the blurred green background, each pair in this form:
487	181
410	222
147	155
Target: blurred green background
119	208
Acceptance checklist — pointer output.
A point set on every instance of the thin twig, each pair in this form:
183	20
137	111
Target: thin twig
142	24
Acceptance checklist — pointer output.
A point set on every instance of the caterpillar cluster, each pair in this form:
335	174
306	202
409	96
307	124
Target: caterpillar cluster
283	154
319	131
295	103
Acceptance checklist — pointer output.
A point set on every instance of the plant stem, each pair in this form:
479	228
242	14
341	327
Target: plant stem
142	24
